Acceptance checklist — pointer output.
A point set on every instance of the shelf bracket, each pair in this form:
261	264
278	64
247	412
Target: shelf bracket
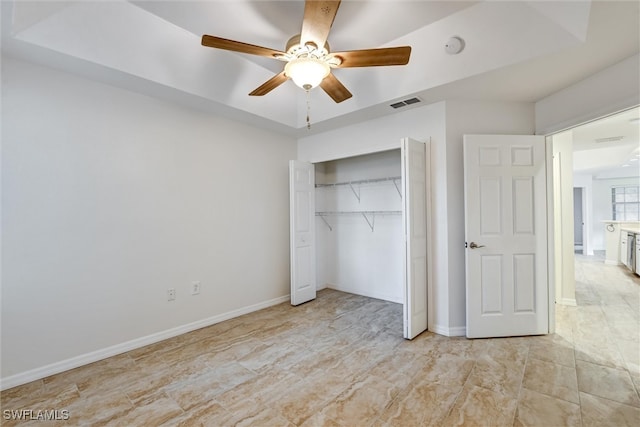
372	222
325	222
357	194
395	182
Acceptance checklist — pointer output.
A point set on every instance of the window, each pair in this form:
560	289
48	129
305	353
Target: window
625	203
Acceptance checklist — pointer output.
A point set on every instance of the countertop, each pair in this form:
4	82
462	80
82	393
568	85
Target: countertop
631	229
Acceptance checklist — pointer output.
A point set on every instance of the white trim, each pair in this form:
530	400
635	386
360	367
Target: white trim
94	356
568	301
457	331
589	117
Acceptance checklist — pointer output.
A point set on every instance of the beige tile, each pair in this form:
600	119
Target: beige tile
551	379
536	409
153	413
263	389
610	383
261	418
207	414
425	403
320	419
35	395
98	409
399	368
363	400
626	330
103	374
502	376
478	406
341	361
435	345
283	355
309	396
202	388
13	397
600	352
562	354
599	412
444	369
630	351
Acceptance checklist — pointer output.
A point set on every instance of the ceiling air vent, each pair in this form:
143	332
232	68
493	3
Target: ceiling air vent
406	102
609	139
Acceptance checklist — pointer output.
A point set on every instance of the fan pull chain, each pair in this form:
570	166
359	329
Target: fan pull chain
308	108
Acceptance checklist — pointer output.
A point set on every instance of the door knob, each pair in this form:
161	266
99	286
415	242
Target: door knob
473	245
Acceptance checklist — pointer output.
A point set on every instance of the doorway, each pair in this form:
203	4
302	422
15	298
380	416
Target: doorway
578	219
592	158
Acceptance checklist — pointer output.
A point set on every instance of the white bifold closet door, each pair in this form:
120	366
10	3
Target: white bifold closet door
414	215
302	218
302	231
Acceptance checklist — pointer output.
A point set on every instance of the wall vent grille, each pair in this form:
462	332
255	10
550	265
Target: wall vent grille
406	102
609	139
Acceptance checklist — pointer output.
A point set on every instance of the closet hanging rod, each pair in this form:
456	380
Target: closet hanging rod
361	181
325	213
369	216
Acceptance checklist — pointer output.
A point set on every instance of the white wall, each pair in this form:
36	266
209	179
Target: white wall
444	124
602	205
564	252
613	89
110	198
590	229
471	117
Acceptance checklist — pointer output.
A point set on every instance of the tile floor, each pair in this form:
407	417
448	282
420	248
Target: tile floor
341	361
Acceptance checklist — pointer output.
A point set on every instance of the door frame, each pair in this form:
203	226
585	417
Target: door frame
551	252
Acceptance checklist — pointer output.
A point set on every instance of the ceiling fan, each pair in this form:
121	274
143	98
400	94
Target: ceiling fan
308	57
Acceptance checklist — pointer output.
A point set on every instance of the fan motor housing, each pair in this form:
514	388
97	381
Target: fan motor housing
294	47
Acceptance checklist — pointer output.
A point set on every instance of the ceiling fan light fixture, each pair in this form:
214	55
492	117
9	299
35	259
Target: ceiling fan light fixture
306	72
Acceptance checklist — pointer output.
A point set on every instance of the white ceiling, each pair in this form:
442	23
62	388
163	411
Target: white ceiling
609	147
515	50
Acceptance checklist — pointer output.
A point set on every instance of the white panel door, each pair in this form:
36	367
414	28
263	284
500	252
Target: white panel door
506	235
414	175
302	233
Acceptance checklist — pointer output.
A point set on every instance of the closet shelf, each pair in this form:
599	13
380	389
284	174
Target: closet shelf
327	213
360	181
395	179
369	216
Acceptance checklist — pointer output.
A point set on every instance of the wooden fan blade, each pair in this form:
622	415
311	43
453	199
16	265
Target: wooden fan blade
374	57
335	89
318	19
270	84
234	46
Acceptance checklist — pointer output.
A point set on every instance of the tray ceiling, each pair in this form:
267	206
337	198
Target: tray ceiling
515	50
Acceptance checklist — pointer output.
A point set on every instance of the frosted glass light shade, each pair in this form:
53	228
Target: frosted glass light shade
306	73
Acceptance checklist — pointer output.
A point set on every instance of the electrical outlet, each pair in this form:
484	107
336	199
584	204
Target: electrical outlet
195	287
171	294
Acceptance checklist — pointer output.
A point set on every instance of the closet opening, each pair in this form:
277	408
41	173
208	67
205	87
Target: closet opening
359	225
359	229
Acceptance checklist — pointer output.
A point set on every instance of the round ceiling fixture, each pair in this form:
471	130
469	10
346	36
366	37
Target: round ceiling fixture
454	45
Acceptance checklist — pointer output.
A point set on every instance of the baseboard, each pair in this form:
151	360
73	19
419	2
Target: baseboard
458	331
94	356
568	301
